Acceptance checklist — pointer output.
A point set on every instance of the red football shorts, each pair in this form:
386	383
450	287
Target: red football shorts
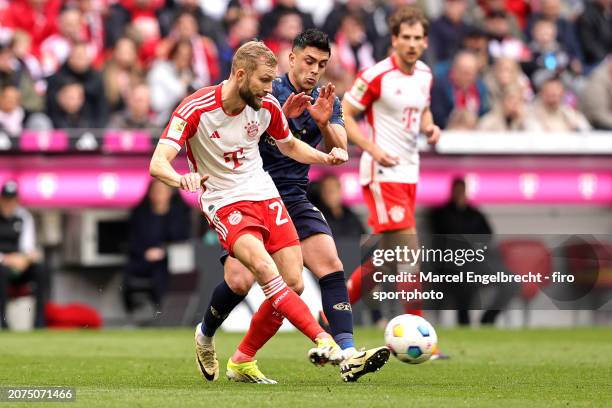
391	205
268	220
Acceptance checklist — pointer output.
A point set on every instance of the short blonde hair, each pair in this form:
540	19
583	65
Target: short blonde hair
252	54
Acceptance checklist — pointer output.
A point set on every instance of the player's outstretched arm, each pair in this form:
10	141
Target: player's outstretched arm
304	153
161	168
355	135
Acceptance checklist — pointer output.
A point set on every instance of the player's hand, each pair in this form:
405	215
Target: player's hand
383	158
323	108
154	254
337	156
16	261
433	133
192	182
295	105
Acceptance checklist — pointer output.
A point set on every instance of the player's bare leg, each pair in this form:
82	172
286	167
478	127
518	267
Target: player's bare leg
281	301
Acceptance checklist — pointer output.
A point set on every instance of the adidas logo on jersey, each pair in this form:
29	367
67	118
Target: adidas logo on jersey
215	135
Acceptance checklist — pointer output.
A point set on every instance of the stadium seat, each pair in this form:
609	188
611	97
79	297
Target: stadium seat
524	256
591	264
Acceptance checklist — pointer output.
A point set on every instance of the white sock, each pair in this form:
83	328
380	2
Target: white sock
349	352
200	337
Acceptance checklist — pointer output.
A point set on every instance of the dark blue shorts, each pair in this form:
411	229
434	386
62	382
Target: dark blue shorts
307	219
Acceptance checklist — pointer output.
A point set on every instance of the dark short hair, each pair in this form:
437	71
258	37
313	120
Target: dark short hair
458	181
312	38
407	15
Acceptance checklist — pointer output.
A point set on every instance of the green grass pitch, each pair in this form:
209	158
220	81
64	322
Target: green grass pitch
156	368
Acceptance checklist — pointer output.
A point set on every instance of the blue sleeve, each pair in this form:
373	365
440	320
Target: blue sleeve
337	115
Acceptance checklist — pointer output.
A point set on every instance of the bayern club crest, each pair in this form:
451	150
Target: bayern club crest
235	217
252	129
397	213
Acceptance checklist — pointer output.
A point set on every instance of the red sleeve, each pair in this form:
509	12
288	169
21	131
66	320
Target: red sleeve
177	131
363	93
278	127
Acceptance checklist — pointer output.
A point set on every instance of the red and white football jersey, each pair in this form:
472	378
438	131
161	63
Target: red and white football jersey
226	147
393	101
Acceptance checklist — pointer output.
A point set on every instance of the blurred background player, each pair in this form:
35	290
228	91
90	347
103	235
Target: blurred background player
19	259
221	127
394	94
312	123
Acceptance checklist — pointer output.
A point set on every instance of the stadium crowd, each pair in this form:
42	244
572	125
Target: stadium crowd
499	64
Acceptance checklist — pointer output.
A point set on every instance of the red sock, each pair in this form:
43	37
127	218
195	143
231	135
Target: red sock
418	312
292	307
355	283
264	325
414	307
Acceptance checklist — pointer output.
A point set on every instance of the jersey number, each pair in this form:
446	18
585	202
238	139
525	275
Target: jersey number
279	213
235	157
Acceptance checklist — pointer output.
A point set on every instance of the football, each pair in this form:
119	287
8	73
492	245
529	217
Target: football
411	338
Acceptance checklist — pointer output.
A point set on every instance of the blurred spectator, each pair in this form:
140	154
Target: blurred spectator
341	219
595	31
36	17
240	30
460	89
205	59
269	21
78	69
502	42
446	33
170	81
55	49
71	112
11	113
19	259
462	119
14	72
121	73
289	25
549	58
508	114
566	32
357	8
93	13
139	14
22	50
160	218
207	26
499	8
353	50
504	74
137	114
596	98
476	41
551	113
459	218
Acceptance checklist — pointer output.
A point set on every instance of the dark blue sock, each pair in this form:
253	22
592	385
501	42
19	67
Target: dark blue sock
222	302
337	308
